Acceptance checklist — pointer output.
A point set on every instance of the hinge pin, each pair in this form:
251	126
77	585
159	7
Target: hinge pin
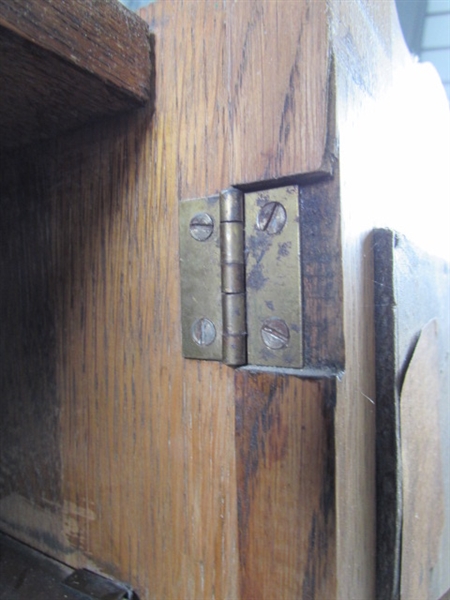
234	340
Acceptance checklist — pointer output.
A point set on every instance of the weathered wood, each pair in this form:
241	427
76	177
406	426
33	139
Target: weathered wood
285	471
64	63
403	305
386	178
321	260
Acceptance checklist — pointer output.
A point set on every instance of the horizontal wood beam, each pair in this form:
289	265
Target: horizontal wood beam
64	63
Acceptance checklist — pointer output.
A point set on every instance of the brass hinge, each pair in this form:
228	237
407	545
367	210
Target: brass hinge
240	278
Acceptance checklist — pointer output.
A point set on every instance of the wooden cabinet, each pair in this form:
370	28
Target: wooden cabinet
190	479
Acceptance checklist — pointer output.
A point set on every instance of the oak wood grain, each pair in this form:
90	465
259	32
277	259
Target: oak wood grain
140	447
238	90
118	454
321	260
64	63
285	471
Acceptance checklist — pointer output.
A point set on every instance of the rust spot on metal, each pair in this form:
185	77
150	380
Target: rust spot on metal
256	279
284	249
258	245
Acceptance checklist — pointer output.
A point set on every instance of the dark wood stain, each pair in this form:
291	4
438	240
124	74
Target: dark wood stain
285	470
323	337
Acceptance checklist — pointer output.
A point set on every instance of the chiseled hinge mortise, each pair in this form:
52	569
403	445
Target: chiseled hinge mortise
232	265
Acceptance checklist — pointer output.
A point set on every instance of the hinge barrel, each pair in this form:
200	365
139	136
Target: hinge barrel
234	347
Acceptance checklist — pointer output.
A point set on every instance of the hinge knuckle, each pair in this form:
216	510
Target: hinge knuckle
233	277
232	243
234	350
233	310
231	206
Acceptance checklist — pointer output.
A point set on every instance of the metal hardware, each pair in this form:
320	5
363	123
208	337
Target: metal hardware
203	332
275	333
96	587
233	277
271	218
201	289
273	282
201	227
241	286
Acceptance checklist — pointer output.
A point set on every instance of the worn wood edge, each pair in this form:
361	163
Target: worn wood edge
322	276
355	434
388	446
420	299
328	167
396	336
119	38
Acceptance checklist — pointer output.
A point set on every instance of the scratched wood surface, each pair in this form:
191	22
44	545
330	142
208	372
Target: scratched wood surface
118	454
64	63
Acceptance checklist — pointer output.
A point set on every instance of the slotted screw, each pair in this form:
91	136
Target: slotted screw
275	333
203	332
271	218
201	227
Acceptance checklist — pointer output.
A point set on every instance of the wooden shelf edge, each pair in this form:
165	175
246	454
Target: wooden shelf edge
64	63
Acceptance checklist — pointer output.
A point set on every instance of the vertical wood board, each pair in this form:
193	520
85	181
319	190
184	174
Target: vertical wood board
286	486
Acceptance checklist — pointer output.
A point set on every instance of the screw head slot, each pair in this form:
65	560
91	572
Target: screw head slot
201	227
203	332
275	333
271	218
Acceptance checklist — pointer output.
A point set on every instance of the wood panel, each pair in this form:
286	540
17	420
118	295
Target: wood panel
423	435
120	455
286	486
237	101
133	471
64	63
388	177
411	288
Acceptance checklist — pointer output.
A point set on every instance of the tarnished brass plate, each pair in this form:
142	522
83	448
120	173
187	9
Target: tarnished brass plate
273	283
201	306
